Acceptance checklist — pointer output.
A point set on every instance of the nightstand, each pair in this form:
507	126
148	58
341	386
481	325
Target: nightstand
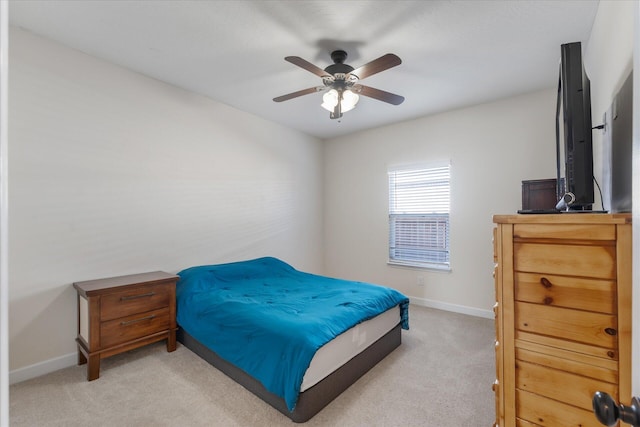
119	314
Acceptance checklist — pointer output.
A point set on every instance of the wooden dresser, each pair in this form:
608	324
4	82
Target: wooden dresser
118	314
563	316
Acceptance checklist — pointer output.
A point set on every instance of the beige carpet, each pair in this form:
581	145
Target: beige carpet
440	376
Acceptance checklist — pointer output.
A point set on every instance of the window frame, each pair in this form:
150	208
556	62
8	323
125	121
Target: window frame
422	218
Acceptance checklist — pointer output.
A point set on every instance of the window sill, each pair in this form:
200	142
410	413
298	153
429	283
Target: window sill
420	266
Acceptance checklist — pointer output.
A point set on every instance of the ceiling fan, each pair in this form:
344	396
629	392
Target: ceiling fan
341	82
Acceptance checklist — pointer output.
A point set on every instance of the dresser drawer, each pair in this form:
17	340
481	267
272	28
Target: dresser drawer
526	339
575	325
592	232
124	329
568	260
555	384
562	291
545	412
136	300
598	368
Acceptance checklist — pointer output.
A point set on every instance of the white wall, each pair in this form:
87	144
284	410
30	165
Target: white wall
492	148
608	60
115	173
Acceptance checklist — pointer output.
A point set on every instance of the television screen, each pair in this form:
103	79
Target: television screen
574	144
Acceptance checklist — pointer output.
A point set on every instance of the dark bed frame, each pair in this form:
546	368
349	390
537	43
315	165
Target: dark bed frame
312	400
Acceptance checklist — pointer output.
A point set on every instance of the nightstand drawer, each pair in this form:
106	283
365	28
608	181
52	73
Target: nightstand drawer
124	329
137	300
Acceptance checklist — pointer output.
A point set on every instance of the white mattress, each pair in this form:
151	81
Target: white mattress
348	344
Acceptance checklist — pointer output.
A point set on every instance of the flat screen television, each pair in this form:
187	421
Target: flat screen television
574	145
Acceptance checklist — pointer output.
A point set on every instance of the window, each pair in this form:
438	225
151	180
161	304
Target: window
419	217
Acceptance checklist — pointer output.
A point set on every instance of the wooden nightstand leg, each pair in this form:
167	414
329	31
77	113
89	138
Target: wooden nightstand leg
81	358
93	367
171	341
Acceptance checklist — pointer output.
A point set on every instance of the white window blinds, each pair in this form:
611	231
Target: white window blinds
419	216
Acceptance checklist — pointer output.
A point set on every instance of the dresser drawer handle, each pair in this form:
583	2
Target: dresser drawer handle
611	331
142	319
545	282
128	297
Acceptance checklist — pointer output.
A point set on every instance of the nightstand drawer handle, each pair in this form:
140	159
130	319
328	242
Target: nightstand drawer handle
128	297
129	322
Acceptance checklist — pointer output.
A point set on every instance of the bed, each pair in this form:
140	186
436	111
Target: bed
295	339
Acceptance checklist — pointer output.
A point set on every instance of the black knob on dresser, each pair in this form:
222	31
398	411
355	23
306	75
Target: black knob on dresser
608	412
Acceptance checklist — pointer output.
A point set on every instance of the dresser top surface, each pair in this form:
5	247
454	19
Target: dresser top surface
564	218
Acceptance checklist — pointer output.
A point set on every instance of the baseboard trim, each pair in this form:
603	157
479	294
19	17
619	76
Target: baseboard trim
462	309
42	368
71	359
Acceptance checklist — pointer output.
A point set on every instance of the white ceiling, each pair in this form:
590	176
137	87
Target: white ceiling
454	53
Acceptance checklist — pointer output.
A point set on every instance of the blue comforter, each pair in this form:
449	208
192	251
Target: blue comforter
269	319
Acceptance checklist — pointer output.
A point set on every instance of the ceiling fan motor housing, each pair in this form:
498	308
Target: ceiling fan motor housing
339	67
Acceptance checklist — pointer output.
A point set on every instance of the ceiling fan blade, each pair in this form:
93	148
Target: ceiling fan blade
298	93
302	63
380	95
377	65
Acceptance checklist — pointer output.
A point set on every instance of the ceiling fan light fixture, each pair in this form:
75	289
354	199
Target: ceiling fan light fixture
330	100
348	100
